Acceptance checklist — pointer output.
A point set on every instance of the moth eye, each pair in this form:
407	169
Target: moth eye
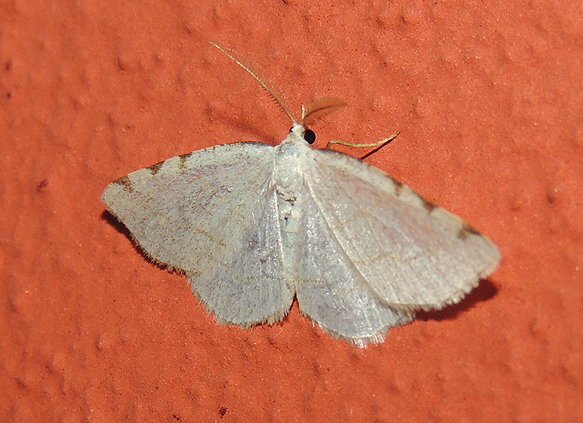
309	136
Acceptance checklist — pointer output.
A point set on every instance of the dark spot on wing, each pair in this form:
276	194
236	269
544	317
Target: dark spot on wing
398	187
125	182
182	161
429	206
466	230
155	168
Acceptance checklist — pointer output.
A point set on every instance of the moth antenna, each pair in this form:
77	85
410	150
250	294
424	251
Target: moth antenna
321	108
255	73
378	145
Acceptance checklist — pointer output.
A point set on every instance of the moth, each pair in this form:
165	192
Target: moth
253	226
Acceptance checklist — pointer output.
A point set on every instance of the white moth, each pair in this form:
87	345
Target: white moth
253	226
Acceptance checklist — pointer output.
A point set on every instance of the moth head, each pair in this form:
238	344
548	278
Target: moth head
307	134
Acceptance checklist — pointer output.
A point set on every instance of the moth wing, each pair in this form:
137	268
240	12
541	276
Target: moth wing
331	290
212	214
411	253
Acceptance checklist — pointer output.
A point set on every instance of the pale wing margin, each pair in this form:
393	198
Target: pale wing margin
412	253
212	214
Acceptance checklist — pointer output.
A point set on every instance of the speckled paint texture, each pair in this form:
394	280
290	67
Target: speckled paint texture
488	97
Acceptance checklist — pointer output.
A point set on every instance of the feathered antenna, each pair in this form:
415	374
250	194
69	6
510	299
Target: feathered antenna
318	109
255	73
321	108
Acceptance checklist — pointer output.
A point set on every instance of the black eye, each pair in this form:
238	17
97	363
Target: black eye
309	136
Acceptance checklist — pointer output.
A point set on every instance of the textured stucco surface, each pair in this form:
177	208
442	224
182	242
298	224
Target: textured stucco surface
488	97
